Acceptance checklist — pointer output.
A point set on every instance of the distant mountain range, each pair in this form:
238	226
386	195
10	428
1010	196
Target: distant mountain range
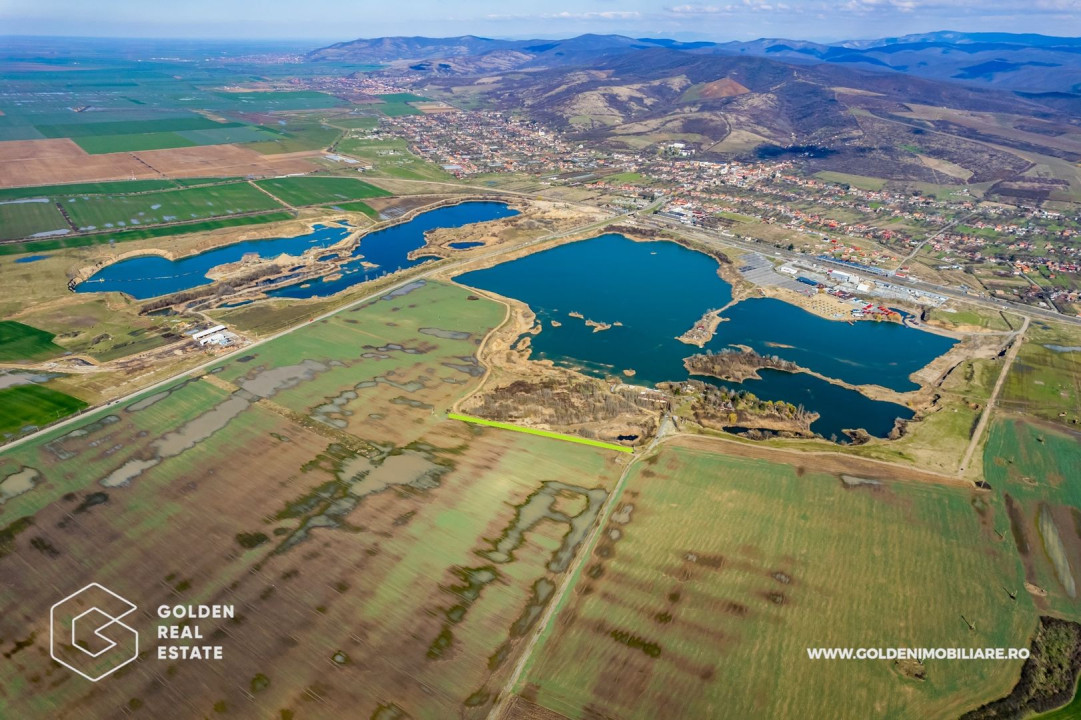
996	110
1024	62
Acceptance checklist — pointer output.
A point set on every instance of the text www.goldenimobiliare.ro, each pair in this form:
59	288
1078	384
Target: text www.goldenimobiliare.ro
920	654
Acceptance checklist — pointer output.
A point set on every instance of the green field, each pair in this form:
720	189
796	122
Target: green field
990	319
103	206
1043	381
863	182
103	188
320	190
33	405
356	123
392	158
715	574
20	342
98	327
141	233
401	98
282	99
397	109
396	104
357	206
152	134
101	144
23	219
131	127
1037	468
296	136
100	212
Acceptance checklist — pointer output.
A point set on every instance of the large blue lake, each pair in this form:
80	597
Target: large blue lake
147	277
657	290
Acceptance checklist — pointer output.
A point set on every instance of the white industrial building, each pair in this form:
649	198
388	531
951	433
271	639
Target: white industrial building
217	335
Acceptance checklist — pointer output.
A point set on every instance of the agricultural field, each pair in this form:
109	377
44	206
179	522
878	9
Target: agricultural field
714	574
396	104
97	212
320	190
142	233
380	557
103	328
1045	380
391	158
20	342
32	405
19	219
278	100
297	135
168	132
1034	467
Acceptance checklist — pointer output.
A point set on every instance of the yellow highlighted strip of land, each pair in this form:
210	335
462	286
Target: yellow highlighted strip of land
542	433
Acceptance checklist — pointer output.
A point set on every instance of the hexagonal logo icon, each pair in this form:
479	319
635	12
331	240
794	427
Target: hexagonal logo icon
86	635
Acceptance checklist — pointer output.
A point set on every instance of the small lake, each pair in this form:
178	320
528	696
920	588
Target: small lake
389	249
152	276
658	290
30	259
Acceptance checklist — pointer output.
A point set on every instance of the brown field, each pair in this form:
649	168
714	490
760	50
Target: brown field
224	161
430	108
57	161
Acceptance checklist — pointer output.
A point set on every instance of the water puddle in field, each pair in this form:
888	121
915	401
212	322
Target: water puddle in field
261	383
467	364
157	397
59	447
356	477
17	483
266	382
446	334
1056	550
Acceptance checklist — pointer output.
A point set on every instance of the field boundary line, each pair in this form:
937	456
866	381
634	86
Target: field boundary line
981	425
535	431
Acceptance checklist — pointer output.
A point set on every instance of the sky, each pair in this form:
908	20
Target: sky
720	20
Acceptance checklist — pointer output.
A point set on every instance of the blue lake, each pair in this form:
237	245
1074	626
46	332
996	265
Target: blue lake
147	277
389	248
30	259
152	276
658	290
